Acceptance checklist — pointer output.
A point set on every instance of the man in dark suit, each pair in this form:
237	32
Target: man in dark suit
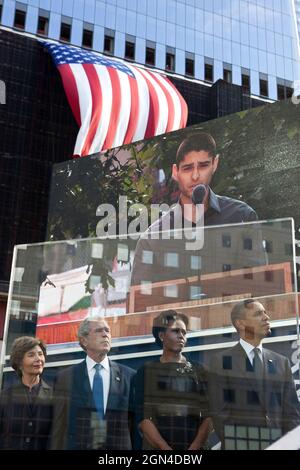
92	397
252	392
197	161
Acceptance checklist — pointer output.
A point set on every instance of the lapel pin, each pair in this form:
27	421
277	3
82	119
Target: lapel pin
118	379
270	360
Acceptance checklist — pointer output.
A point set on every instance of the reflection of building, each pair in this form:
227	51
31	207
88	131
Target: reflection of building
232	261
206	316
188	291
99	281
60	292
63	296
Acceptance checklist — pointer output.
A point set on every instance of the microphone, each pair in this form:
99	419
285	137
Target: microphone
198	194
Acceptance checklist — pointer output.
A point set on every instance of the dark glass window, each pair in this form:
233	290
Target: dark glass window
268	246
263	87
87	38
284	89
43	25
248	244
189	67
227	75
289	92
150	56
170	61
280	92
269	276
226	267
20	17
246	83
65	32
209	72
226	241
129	50
228	395
252	397
109	44
227	362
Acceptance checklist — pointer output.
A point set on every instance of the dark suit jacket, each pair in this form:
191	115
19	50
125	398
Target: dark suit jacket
76	424
25	427
237	397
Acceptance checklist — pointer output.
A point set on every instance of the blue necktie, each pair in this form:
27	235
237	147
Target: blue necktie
98	391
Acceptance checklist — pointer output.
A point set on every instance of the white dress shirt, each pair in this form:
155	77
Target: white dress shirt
105	373
249	350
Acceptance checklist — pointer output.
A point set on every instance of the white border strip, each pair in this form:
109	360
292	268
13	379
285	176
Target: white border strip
290	441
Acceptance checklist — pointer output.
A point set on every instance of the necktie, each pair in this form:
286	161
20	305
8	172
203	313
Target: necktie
259	376
98	391
258	364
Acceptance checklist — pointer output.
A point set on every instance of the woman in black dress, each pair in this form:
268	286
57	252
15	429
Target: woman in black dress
25	407
171	403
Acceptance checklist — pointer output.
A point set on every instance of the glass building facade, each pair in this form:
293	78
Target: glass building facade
297	8
250	43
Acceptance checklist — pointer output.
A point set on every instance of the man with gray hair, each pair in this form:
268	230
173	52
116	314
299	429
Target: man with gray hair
92	397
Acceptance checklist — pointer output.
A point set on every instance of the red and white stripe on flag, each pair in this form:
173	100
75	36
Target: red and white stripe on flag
116	103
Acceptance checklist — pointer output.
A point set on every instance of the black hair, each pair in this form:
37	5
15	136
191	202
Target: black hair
239	310
196	143
164	320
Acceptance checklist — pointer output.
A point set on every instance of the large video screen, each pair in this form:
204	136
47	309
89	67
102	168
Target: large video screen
258	163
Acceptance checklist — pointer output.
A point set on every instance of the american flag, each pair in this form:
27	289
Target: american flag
115	103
